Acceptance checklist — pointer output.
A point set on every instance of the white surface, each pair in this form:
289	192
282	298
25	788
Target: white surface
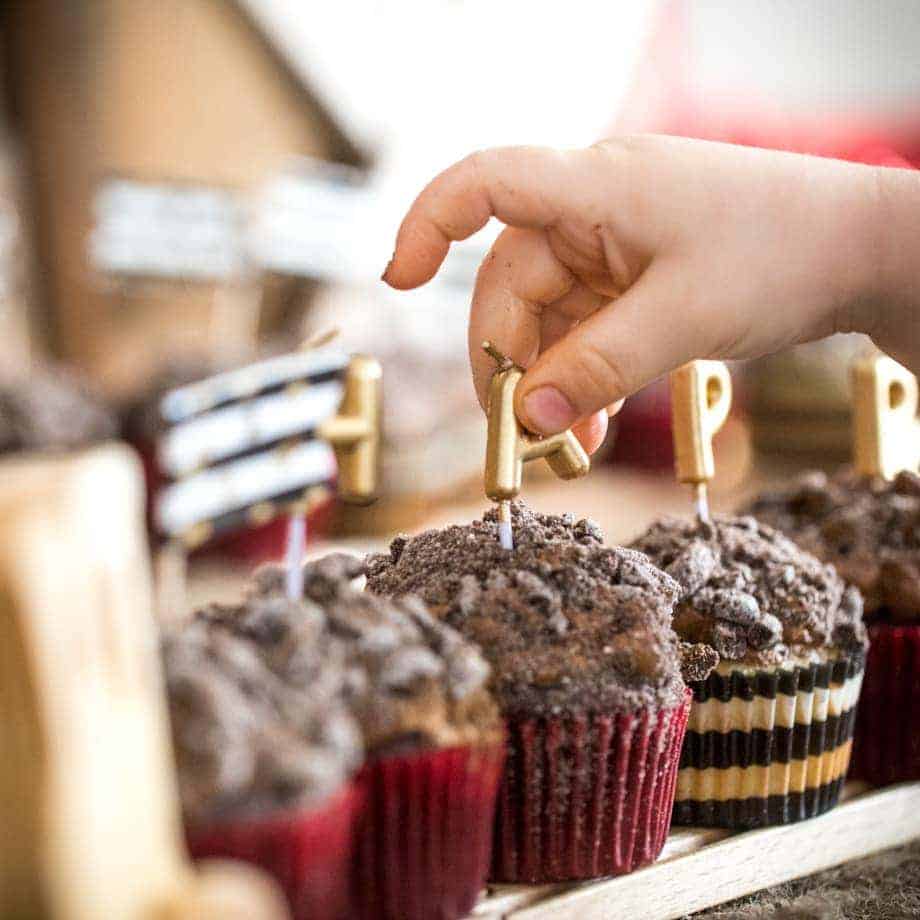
820	55
432	77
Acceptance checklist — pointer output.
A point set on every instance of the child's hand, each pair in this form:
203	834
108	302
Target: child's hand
623	261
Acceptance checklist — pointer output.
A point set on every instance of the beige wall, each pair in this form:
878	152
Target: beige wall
190	92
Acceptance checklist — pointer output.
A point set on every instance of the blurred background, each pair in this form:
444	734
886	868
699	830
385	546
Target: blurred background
187	184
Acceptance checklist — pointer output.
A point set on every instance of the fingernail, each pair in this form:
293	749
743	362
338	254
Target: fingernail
548	411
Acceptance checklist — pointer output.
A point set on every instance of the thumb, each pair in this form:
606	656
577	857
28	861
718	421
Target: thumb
633	341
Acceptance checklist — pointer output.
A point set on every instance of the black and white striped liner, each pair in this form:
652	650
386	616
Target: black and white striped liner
244	440
767	747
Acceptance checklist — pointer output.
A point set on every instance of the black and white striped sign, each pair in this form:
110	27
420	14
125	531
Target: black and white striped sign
244	439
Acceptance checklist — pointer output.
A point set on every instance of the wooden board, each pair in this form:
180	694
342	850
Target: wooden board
88	801
700	868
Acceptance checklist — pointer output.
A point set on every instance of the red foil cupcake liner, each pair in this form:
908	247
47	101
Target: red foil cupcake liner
588	796
886	744
308	852
425	834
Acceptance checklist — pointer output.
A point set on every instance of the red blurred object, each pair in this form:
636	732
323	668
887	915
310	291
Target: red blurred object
663	100
425	837
308	853
667	98
643	429
588	797
886	743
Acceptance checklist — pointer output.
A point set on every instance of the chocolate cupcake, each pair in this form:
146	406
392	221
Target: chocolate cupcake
769	736
52	411
265	746
869	529
586	671
433	743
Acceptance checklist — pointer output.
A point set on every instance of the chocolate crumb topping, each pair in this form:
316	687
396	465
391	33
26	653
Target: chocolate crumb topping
568	625
255	703
411	681
869	529
750	593
52	411
697	660
273	702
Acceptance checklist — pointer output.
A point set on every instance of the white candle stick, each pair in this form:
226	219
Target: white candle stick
293	555
505	534
701	501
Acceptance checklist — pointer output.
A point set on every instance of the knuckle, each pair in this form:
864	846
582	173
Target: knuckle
486	270
476	163
623	146
600	371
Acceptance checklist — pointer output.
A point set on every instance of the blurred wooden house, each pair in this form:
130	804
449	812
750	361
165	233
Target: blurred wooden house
174	93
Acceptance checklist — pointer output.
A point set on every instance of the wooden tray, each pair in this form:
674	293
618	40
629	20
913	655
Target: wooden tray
700	868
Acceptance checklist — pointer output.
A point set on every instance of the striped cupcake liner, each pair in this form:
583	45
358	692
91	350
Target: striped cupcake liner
768	747
886	745
425	835
586	797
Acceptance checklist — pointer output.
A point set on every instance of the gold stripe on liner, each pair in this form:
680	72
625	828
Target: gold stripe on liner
764	713
722	784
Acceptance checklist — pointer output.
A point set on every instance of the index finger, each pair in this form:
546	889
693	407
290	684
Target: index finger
526	187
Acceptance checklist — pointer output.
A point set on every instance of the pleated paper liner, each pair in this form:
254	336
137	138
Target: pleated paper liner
768	747
425	834
586	797
886	746
309	853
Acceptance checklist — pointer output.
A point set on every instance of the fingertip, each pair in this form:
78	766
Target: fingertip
386	276
420	250
591	431
399	279
545	410
405	272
